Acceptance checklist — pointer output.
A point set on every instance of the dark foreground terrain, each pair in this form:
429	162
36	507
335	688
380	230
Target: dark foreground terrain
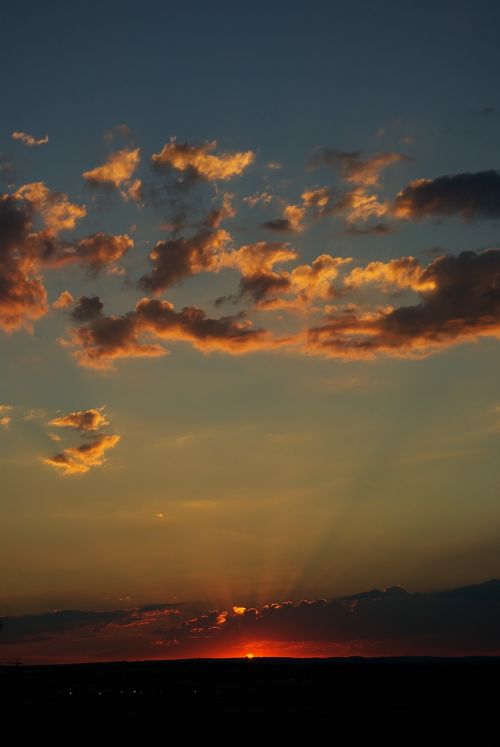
238	699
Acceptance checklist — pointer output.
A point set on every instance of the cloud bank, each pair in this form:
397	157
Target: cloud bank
390	622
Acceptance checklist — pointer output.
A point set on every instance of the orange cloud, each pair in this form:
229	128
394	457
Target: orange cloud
29	140
22	295
97	252
80	459
296	288
102	251
359	205
5	418
319	198
259	198
25	251
23	299
57	213
460	303
105	339
63	301
405	272
117	170
315	280
201	161
293	216
258	258
87	421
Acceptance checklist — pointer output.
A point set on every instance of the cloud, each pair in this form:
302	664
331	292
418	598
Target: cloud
460	302
24	251
122	131
97	252
87	308
259	198
80	459
29	140
390	622
292	290
319	198
100	251
86	421
22	295
360	205
357	204
405	272
355	169
487	111
35	413
63	301
117	172
56	211
61	624
378	229
255	263
393	621
175	260
75	460
200	162
468	195
106	339
5	418
292	221
261	257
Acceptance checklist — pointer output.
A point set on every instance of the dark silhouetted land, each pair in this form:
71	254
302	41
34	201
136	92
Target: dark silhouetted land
249	699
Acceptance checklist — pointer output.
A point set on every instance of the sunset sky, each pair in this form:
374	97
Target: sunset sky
249	328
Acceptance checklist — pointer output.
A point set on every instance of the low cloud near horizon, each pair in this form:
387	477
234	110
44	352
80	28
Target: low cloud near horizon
463	621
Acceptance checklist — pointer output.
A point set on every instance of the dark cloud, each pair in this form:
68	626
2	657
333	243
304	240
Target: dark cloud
292	221
97	252
106	339
260	287
460	302
281	225
176	259
22	294
461	621
50	625
379	229
87	308
25	251
469	195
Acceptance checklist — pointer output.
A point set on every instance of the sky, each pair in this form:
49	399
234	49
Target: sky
249	324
